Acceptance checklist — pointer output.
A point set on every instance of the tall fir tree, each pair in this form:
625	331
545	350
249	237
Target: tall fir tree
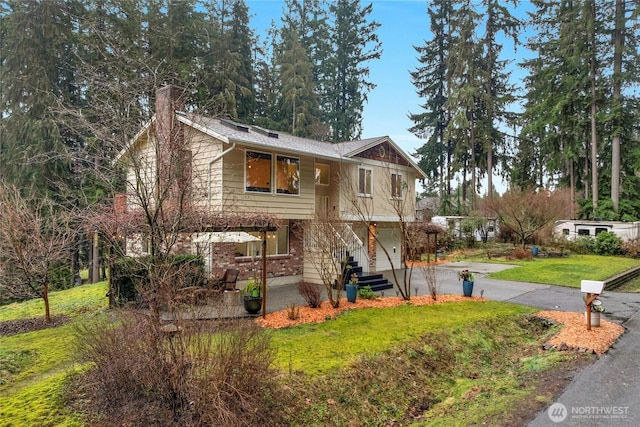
355	43
430	80
465	94
298	105
498	90
554	116
36	75
227	71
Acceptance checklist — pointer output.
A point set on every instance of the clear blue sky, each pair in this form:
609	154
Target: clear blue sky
404	24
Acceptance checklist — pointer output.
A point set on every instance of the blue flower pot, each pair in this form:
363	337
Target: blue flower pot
534	251
352	293
467	288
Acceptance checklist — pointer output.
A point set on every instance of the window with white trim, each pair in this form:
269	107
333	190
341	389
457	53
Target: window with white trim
287	175
257	172
277	244
365	181
396	185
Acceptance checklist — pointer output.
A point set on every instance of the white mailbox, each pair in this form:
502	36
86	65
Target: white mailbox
592	286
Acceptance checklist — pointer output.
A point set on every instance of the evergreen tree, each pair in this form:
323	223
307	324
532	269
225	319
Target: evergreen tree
624	104
557	92
465	93
243	43
430	80
355	43
309	20
173	38
227	74
499	92
266	87
298	103
36	75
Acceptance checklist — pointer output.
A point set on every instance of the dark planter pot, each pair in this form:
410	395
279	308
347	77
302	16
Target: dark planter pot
252	305
467	288
352	293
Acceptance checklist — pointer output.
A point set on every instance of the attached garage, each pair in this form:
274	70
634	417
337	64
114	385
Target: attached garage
390	239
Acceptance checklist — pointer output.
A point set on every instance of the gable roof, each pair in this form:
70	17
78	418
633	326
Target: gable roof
260	138
264	138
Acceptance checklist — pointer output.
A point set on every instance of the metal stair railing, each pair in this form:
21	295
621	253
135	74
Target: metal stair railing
347	243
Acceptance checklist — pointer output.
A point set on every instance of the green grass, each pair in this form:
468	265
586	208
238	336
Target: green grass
41	353
566	271
482	372
39	404
444	353
631	286
34	365
320	348
71	302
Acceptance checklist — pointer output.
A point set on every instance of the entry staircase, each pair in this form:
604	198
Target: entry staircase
377	282
347	246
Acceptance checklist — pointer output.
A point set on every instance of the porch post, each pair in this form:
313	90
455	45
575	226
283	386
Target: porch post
264	273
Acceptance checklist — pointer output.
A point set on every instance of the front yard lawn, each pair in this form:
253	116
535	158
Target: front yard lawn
566	271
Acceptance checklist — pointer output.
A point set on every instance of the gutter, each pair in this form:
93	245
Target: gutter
215	159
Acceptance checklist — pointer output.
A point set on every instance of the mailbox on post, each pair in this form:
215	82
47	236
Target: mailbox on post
593	288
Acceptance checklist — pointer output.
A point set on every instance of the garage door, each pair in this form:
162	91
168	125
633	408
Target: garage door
388	237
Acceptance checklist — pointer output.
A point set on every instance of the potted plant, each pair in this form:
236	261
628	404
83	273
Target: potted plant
596	309
352	288
252	300
467	278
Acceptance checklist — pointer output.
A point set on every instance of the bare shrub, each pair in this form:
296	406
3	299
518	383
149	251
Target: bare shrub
521	254
525	212
631	248
293	312
216	373
430	274
311	293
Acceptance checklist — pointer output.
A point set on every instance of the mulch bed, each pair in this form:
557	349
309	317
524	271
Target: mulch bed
575	336
20	326
306	314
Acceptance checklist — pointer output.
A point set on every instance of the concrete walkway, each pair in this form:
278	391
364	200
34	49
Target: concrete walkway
606	393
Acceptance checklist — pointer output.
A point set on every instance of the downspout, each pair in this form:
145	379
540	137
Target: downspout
215	159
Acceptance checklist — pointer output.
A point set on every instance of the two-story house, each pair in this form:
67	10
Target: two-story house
233	167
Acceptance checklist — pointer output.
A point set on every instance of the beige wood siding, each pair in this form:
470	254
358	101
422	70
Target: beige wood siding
141	174
204	148
299	206
310	273
380	206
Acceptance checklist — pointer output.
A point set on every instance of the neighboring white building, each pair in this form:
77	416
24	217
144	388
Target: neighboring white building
454	224
571	229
